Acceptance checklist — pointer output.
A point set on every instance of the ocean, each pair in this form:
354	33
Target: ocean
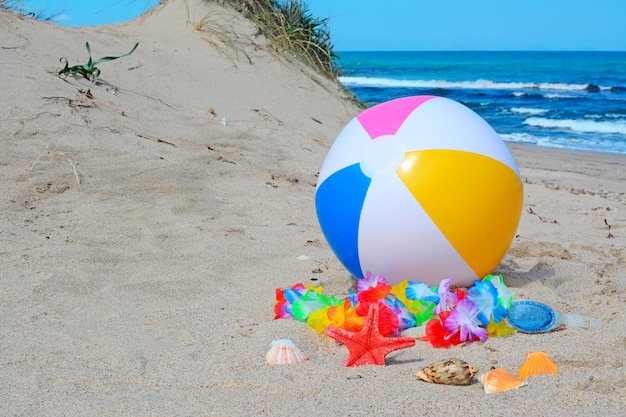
568	100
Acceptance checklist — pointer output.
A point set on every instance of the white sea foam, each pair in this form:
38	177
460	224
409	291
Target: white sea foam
520	138
529	110
555	96
585	126
567	142
476	84
552	141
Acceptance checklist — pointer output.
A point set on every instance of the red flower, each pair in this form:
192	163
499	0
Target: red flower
372	294
387	320
437	334
280	303
282	308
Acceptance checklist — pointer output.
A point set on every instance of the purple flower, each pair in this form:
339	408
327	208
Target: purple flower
485	296
370	281
464	319
447	299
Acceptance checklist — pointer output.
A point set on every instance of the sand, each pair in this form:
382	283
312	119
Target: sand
146	221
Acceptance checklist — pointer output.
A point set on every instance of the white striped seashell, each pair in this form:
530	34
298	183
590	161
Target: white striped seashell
284	352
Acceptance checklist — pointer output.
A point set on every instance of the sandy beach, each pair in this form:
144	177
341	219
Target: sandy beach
147	220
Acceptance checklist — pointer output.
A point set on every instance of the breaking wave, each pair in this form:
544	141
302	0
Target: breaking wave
585	126
475	85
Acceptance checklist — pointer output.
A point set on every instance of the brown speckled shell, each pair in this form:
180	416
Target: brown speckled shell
450	372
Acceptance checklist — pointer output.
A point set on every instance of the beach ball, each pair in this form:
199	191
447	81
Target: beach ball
419	188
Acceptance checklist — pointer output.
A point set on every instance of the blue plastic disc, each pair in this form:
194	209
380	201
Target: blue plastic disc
531	316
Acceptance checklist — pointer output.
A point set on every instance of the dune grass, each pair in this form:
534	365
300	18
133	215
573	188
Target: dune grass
292	28
287	24
17	6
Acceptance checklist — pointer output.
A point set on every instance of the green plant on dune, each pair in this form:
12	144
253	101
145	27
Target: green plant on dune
89	70
292	28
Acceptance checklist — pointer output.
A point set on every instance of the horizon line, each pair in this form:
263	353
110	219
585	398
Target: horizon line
480	50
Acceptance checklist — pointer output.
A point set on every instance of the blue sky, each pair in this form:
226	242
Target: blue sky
89	12
475	24
422	24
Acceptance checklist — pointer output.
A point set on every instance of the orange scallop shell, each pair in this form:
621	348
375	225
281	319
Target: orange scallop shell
537	363
499	380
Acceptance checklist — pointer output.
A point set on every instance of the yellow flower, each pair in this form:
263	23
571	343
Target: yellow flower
344	316
499	329
399	290
319	319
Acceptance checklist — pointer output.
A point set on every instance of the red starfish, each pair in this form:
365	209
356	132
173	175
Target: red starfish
368	346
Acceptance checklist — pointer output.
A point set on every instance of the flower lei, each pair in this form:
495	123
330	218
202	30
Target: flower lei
450	316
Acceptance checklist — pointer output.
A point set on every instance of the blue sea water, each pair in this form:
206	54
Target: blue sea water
570	100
